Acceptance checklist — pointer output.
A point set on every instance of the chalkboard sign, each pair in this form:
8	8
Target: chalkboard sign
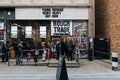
61	73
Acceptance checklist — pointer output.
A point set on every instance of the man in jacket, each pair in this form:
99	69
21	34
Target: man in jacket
5	51
70	48
18	53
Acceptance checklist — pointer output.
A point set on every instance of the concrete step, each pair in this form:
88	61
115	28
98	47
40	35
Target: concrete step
72	64
49	63
26	77
31	63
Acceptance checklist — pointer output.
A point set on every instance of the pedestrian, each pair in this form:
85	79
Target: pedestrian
53	50
63	47
70	48
18	53
5	52
43	47
58	49
36	53
28	52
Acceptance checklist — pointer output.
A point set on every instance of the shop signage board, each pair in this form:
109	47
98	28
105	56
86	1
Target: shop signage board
51	13
61	28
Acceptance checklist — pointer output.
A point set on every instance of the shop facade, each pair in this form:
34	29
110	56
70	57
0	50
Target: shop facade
46	19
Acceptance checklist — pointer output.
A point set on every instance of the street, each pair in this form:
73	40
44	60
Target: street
88	70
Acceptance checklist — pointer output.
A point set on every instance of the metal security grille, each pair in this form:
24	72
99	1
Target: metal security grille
101	48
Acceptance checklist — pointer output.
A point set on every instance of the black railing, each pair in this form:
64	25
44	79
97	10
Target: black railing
25	52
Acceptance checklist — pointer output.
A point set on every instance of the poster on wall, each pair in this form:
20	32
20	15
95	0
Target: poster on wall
61	28
14	31
1	25
80	31
42	31
28	31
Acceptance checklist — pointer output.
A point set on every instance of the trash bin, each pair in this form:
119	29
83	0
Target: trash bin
114	61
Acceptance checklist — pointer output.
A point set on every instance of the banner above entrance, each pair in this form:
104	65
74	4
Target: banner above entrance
47	13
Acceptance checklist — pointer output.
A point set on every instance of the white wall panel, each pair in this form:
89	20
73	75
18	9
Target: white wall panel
62	1
5	2
80	1
22	2
42	1
27	13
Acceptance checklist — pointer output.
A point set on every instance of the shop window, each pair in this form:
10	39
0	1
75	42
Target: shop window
14	31
28	32
42	31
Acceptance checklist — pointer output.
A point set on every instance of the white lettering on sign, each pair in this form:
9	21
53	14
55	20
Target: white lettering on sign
61	27
52	12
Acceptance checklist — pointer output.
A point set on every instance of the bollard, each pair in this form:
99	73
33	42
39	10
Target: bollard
114	61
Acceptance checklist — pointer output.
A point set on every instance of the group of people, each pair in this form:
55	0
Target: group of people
63	48
5	49
19	48
58	48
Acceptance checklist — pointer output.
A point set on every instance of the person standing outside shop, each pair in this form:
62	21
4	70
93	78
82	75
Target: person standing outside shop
58	49
63	48
43	47
28	52
18	53
5	52
70	48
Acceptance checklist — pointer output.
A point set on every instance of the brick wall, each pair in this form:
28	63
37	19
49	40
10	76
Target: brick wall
115	25
108	22
101	20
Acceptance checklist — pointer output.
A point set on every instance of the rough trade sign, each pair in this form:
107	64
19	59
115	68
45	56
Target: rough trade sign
61	27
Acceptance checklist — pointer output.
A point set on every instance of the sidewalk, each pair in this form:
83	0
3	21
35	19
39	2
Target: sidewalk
86	69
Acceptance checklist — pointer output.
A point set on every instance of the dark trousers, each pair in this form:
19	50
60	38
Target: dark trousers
4	58
58	54
69	56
